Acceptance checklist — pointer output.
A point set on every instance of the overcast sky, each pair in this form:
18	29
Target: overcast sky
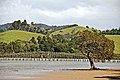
100	14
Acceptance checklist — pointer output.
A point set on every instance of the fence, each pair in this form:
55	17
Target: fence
54	59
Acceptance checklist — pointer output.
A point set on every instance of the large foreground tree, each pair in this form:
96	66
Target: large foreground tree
94	46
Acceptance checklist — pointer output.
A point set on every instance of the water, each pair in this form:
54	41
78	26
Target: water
10	69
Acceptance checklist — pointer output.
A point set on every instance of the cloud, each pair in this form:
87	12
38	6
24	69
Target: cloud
101	14
51	5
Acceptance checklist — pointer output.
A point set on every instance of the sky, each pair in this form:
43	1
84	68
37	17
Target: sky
100	14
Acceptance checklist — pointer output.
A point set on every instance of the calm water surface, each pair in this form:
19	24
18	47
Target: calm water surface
9	69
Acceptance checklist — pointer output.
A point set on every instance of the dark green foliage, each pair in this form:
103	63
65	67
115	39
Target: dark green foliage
87	26
112	31
16	25
32	23
65	43
33	48
24	23
39	39
45	43
61	47
33	40
3	47
18	46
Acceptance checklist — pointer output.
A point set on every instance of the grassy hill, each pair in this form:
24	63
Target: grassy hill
69	30
116	39
13	35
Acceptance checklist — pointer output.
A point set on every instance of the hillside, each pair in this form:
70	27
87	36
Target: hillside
13	35
116	39
69	30
5	27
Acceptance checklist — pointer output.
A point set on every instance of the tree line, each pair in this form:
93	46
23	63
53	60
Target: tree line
56	44
18	25
114	31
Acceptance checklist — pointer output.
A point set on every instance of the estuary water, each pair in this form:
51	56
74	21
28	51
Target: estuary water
8	69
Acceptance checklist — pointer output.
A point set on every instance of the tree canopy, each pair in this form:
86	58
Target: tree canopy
94	46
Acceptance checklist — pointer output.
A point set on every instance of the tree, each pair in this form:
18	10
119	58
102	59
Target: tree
32	23
87	26
114	31
39	39
61	47
16	46
33	40
3	47
16	25
25	22
94	46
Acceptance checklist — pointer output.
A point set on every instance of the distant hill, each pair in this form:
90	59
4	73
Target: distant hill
116	39
54	27
13	35
33	27
42	26
5	27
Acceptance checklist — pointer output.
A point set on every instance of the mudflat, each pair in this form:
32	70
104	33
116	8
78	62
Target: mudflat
79	74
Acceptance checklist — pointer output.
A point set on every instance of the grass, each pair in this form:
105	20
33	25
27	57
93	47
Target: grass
69	30
116	39
13	35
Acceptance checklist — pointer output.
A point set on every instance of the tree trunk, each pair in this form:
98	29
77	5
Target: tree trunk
91	63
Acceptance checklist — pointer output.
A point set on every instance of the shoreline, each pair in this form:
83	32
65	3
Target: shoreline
73	74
